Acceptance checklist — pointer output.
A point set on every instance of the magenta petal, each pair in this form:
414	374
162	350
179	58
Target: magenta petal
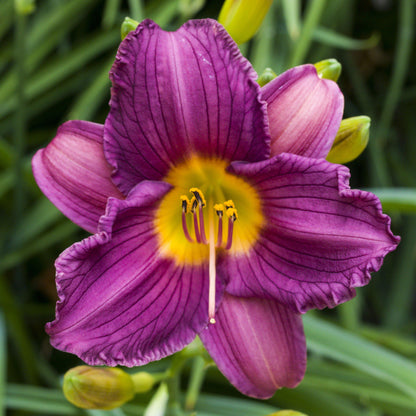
304	111
73	173
257	344
179	93
121	302
321	238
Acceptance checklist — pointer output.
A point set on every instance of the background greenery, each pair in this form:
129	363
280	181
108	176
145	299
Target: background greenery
54	66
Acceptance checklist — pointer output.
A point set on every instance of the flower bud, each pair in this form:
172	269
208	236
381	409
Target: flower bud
287	413
242	18
329	69
351	139
143	381
127	26
267	75
98	387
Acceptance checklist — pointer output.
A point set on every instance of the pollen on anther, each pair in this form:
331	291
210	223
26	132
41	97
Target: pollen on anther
193	204
229	204
186	205
219	209
232	213
199	196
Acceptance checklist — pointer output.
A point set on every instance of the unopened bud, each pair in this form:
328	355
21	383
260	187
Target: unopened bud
351	139
287	413
98	387
267	75
242	18
143	381
127	26
329	69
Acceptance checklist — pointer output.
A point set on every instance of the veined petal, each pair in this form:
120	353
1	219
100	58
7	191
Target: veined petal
180	93
74	174
120	302
305	112
321	240
257	344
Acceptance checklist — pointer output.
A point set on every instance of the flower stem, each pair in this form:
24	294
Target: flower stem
313	16
195	382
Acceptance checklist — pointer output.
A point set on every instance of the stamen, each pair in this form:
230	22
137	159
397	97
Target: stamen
185	207
194	204
212	270
219	209
199	196
232	216
229	204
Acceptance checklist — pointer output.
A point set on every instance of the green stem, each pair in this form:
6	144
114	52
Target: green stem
136	9
20	116
404	48
195	382
313	16
18	332
381	175
401	296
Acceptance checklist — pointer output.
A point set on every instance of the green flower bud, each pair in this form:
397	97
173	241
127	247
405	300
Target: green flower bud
242	19
351	139
267	75
127	26
287	413
143	381
98	387
329	69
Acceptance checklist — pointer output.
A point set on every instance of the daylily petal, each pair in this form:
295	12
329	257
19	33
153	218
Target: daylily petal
321	238
121	302
305	112
74	174
258	344
179	93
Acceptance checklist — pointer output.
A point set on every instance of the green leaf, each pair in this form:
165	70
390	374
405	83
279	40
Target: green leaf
333	342
3	365
397	199
332	38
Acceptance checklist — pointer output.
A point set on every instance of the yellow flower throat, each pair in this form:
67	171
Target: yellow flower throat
207	210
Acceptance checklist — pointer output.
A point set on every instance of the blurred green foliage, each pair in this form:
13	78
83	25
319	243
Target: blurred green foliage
54	66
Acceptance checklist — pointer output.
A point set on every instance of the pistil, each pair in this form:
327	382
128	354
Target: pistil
212	270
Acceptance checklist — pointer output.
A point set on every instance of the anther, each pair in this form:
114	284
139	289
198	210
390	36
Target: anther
185	207
199	196
232	217
194	204
229	204
219	209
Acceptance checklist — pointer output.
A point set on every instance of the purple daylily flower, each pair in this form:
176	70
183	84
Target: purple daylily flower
210	201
